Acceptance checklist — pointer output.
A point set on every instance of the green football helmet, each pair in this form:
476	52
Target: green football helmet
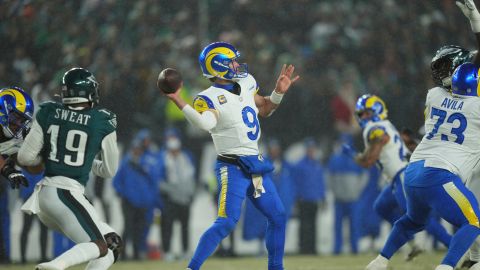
79	86
445	61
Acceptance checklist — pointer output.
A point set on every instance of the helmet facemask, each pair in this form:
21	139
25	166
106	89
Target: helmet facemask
442	71
445	61
363	120
219	60
371	105
239	70
16	110
15	123
234	70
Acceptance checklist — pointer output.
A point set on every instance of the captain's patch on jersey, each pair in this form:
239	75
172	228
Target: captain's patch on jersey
375	133
222	99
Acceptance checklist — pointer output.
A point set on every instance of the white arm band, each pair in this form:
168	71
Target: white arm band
275	97
107	167
28	155
475	26
206	120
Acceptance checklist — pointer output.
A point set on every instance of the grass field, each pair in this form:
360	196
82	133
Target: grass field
423	262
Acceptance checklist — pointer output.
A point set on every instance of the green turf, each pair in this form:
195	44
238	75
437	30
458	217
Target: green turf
423	262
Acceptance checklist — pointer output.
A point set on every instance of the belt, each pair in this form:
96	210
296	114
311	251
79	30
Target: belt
231	159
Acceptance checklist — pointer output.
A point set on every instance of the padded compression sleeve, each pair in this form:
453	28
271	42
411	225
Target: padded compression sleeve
107	167
29	153
206	120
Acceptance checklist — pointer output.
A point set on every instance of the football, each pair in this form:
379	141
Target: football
169	80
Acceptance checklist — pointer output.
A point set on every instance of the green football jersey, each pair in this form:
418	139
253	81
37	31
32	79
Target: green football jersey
72	138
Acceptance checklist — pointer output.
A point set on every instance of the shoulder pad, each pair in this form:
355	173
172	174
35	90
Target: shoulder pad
376	132
107	112
45	109
50	104
257	87
252	84
437	89
110	117
203	103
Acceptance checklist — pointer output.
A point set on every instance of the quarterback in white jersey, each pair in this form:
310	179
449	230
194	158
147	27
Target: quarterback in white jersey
229	110
238	129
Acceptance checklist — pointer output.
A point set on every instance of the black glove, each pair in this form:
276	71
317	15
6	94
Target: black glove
14	176
114	243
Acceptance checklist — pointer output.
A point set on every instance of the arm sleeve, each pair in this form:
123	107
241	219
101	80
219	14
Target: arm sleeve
29	153
107	167
206	120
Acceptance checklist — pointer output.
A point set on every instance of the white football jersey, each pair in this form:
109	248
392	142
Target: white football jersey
392	158
238	129
452	133
10	147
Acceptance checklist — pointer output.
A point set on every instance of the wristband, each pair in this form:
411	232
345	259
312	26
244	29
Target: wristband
475	25
275	97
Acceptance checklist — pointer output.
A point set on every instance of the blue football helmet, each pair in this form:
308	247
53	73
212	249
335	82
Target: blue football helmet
371	103
465	80
16	111
216	60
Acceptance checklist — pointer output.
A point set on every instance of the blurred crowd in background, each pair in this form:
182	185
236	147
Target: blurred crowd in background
341	48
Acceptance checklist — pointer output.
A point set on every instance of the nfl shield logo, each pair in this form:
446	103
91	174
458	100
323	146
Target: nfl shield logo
222	99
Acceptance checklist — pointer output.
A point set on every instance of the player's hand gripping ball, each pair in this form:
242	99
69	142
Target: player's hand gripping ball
169	80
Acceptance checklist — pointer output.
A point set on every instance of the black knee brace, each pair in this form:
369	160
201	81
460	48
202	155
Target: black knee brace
114	243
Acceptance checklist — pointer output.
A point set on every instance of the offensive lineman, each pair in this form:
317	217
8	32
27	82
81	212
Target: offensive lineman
442	162
228	110
66	137
439	165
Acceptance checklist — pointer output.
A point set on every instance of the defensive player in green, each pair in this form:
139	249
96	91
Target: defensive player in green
66	137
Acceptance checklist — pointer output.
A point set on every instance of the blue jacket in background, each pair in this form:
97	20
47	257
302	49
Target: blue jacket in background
345	179
370	222
309	180
341	163
138	182
285	185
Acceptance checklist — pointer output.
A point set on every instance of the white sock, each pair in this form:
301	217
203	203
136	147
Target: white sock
78	254
381	260
102	263
475	251
444	267
412	244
